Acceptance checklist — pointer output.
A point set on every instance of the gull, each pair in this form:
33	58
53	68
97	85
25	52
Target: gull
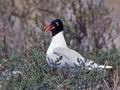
59	55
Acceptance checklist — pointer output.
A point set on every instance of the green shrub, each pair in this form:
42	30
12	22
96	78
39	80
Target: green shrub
37	75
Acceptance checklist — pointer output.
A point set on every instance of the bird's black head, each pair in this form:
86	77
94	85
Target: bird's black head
55	27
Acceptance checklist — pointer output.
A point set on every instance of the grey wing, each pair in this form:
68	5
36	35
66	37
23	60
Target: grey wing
73	58
69	56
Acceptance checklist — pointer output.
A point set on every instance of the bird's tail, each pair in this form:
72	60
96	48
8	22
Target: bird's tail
90	65
105	67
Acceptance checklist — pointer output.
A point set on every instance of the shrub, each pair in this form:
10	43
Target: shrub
37	75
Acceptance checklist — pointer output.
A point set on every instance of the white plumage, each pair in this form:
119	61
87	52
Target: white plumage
68	57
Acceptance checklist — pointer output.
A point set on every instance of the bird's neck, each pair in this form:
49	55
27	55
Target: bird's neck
57	41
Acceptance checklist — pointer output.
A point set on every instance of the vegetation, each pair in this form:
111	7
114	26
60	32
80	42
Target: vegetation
36	74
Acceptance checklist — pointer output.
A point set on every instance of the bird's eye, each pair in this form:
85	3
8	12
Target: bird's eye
57	24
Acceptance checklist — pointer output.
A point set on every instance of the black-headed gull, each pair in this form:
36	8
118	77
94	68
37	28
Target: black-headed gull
59	55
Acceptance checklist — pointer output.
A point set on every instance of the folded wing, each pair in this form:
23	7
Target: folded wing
73	59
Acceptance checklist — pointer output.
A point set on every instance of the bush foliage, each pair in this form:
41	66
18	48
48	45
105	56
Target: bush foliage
37	75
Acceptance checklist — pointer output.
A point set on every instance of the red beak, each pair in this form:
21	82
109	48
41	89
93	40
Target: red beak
48	28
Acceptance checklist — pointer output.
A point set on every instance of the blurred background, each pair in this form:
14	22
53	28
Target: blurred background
91	27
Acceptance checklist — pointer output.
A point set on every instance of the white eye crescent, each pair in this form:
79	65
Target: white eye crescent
57	24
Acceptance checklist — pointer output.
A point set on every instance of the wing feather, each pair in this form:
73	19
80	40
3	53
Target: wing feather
72	58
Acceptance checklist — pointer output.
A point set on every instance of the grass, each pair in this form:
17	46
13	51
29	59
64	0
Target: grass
37	75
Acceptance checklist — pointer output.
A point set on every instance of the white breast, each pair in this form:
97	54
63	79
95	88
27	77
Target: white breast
57	41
